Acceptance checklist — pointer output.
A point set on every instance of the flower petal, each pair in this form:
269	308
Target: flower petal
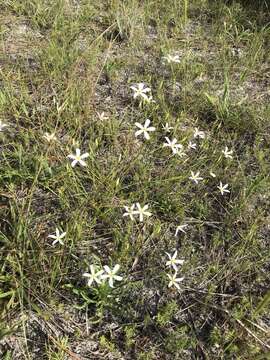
118	278
52	236
111	282
147	123
139	132
90	281
180	262
84	156
107	269
146	135
71	156
116	268
83	163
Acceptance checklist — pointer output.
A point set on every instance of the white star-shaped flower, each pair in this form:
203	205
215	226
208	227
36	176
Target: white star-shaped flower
192	145
223	188
173	261
195	177
181	228
198	134
50	137
94	275
227	153
2	125
102	116
140	90
144	129
142	211
173	145
171	59
167	127
57	237
111	274
174	280
130	211
78	158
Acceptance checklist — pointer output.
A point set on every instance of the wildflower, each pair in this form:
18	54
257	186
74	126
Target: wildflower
173	145
227	153
144	129
50	137
111	274
181	228
192	145
2	125
129	211
78	158
140	90
198	134
223	188
102	116
94	275
174	280
166	127
173	261
195	177
142	211
172	58
236	52
213	174
57	237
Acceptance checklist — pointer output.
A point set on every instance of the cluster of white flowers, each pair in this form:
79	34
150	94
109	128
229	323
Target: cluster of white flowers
142	92
173	263
96	275
141	211
196	178
99	276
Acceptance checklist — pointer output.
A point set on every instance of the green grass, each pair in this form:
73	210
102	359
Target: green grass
61	63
